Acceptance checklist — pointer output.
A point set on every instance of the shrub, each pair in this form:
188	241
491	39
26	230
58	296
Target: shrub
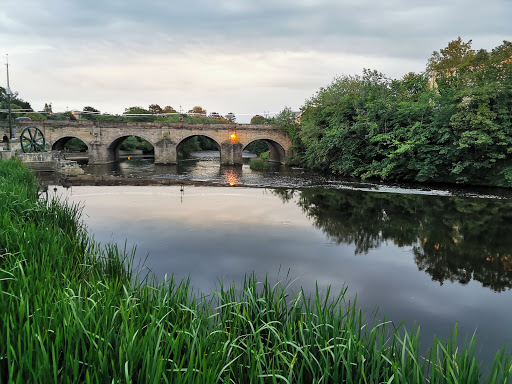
258	164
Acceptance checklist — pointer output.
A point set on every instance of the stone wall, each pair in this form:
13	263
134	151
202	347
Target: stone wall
42	162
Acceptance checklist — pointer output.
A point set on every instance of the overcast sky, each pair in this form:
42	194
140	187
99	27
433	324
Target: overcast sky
241	56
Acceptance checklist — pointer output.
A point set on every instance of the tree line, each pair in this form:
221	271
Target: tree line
451	123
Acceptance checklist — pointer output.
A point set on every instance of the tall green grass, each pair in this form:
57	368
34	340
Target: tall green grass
258	164
71	311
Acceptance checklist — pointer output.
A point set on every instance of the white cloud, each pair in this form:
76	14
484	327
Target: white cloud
240	56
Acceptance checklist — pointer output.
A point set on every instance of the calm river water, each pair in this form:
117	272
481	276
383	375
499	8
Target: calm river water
419	255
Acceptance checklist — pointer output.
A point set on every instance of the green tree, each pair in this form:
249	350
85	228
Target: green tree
337	124
64	116
285	120
257	147
198	111
482	120
90	113
258	119
155	109
75	145
35	116
136	143
206	144
22	103
188	146
454	129
448	59
138	111
15	100
230	117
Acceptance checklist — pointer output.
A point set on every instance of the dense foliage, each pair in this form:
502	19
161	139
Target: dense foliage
196	144
452	123
258	119
136	143
73	313
16	103
257	147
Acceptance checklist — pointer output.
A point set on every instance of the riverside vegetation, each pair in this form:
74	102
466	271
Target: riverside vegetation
72	311
452	123
260	162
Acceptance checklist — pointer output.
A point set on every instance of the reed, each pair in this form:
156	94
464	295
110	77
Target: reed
72	311
258	164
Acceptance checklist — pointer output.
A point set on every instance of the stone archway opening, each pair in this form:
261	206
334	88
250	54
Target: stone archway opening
198	147
73	148
266	149
130	148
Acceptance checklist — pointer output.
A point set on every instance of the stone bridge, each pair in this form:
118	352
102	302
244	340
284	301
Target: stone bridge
104	138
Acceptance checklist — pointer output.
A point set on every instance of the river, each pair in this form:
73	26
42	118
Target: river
428	256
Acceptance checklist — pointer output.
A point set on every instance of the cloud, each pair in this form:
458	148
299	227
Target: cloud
322	25
112	52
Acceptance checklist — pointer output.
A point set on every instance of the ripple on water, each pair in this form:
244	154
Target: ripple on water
205	167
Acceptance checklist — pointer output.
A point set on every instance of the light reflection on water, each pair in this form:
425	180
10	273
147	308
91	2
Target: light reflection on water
232	176
206	167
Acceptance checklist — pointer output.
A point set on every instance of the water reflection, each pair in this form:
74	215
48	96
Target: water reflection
231	176
456	239
207	168
452	238
212	234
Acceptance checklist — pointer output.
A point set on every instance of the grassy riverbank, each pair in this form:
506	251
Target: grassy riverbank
71	312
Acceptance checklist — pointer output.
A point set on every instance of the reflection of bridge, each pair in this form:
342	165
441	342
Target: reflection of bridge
103	139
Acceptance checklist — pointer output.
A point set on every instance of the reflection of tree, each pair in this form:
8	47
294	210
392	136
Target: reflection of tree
453	238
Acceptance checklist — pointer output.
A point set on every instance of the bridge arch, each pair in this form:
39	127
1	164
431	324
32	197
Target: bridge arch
180	144
277	151
60	143
114	146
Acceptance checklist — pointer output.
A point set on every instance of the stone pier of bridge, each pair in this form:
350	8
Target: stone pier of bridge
103	139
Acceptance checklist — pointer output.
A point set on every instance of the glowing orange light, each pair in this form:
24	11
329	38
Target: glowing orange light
231	177
233	136
129	157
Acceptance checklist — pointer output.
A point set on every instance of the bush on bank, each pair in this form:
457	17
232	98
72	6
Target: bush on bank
258	164
72	312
